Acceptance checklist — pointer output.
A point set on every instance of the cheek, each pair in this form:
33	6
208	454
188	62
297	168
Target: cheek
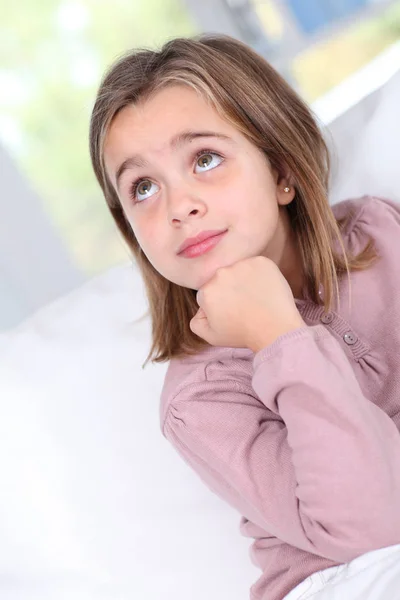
150	240
142	233
253	201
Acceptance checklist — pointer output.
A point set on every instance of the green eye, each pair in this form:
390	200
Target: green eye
144	187
205	160
208	160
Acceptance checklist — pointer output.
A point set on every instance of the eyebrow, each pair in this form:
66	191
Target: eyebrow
176	141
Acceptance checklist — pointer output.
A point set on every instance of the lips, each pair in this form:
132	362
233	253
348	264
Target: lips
204	235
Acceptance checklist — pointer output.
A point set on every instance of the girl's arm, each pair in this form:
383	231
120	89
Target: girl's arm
302	453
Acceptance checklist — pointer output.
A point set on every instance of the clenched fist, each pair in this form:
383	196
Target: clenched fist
246	305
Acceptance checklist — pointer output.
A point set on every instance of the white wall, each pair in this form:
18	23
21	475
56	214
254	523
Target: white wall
35	266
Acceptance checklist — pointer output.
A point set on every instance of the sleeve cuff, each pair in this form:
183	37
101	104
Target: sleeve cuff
313	331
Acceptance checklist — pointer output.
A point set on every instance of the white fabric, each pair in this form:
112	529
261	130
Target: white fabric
365	143
94	502
372	576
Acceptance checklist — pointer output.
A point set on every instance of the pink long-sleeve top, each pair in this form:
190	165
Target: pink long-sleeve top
302	438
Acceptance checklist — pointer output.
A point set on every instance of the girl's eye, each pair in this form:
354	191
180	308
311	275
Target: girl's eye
206	160
142	189
145	188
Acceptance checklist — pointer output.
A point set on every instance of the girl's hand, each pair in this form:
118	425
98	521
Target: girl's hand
246	305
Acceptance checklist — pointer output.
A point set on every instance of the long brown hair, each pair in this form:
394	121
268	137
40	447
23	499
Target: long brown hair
246	90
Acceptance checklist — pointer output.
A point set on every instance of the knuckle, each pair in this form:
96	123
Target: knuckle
260	259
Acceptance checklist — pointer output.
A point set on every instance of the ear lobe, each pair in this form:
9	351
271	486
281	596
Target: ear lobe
285	192
285	189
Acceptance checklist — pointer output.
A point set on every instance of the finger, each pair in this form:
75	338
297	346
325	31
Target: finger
198	297
196	326
199	324
201	314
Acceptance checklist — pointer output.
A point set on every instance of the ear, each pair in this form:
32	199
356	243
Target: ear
285	189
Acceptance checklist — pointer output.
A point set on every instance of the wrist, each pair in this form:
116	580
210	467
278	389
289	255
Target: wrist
264	339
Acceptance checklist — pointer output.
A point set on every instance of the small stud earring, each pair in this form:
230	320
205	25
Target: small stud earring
286	189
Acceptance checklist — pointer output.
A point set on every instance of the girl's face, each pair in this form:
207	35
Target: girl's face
180	169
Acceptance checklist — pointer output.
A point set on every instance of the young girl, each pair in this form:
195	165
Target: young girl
279	314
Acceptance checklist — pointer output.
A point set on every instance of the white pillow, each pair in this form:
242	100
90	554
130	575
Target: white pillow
95	502
366	146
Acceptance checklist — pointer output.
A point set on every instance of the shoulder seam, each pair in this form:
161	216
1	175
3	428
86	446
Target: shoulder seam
208	363
356	214
176	393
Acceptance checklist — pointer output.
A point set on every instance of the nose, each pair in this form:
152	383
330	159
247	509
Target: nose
184	204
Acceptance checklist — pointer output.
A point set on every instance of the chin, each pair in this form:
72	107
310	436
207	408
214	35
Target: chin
209	273
195	283
206	271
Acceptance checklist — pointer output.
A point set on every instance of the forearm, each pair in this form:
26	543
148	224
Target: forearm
345	450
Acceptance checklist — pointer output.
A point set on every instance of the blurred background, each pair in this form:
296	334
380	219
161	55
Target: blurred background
55	231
